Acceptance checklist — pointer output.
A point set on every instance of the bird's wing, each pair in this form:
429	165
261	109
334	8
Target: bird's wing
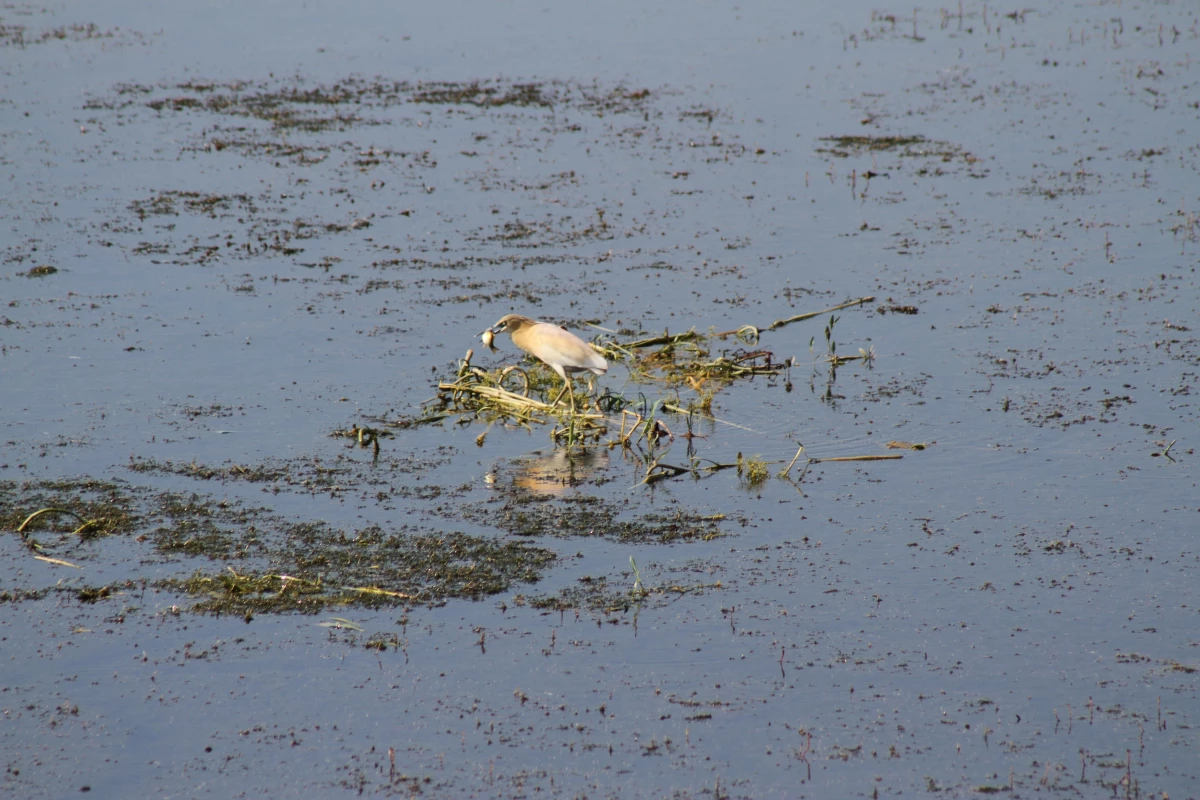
566	349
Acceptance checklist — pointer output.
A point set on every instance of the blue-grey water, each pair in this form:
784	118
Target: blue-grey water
268	225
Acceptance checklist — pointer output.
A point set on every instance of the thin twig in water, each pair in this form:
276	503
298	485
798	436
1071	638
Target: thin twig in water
666	338
855	458
779	323
58	561
36	514
678	410
784	474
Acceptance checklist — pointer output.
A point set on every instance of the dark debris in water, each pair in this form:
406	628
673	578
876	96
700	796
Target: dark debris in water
248	560
522	513
211	205
20	36
256	473
590	593
846	145
481	94
104	507
335	477
597	594
302	124
243	560
284	105
902	146
320	567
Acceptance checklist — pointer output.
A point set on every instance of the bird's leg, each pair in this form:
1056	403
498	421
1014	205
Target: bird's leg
567	390
592	392
566	386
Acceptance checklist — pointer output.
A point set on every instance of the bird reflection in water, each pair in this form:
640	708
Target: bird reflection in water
554	474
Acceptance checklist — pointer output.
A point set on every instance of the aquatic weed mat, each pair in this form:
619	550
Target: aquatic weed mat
334	132
655	430
537	512
378	475
665	365
231	559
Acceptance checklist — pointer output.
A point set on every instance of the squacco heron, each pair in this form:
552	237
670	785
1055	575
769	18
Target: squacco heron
559	349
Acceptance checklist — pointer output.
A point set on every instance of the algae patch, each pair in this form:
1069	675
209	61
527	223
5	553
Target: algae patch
48	514
234	559
523	513
324	567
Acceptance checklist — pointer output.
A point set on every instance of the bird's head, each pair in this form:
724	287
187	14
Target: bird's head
511	323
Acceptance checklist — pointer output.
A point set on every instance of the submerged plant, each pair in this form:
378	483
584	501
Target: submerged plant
755	470
638	590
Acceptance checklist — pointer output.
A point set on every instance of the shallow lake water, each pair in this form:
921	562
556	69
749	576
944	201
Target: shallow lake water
232	236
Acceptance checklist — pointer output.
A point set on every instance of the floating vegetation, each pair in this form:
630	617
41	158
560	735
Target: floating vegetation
639	589
372	567
210	205
503	395
298	104
91	509
904	146
364	437
530	514
266	564
679	361
255	473
896	309
482	94
779	323
21	36
752	470
598	595
894	445
344	473
318	566
755	470
845	145
591	594
810	461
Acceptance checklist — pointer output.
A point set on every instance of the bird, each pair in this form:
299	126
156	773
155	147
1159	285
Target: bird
556	347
